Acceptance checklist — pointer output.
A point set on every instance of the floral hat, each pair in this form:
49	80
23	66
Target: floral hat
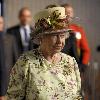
50	21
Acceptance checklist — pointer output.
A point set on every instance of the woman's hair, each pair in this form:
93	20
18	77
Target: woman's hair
51	6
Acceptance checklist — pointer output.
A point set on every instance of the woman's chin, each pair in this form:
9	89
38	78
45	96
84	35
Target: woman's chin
56	50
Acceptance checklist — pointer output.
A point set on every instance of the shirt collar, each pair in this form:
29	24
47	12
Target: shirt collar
26	26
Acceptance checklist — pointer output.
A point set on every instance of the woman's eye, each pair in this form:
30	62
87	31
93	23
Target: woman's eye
54	36
62	36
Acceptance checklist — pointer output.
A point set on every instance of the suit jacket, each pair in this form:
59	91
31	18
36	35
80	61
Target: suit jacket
11	51
3	69
8	57
70	47
15	31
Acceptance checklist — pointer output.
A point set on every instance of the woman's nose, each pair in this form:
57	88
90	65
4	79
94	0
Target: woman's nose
59	39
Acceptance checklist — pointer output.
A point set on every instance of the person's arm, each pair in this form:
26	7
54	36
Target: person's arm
84	48
78	80
18	80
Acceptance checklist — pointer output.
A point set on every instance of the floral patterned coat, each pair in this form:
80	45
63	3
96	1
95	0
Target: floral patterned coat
35	78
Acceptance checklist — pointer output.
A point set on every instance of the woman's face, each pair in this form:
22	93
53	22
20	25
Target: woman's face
53	43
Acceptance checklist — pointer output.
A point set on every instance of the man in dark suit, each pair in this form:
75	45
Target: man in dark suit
3	69
22	31
8	57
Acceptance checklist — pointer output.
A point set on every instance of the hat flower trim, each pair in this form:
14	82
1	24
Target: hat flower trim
50	23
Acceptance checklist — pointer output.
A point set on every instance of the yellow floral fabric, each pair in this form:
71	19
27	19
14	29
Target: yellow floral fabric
35	78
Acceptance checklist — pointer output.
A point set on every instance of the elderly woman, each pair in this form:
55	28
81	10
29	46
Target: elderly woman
46	73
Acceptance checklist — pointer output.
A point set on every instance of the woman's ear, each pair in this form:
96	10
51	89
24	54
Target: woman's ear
40	39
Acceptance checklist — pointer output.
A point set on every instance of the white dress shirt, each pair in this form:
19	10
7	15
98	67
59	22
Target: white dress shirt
22	33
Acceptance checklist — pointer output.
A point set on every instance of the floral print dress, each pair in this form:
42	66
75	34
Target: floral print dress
35	78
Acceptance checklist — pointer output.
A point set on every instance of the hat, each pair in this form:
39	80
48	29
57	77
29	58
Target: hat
49	21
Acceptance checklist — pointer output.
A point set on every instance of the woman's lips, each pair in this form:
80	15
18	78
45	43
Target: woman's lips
58	47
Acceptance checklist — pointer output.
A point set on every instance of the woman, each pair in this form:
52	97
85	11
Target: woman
46	73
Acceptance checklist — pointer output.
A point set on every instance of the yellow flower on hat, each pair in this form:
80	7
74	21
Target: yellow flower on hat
51	20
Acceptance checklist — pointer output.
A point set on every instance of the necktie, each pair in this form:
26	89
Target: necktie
26	36
26	40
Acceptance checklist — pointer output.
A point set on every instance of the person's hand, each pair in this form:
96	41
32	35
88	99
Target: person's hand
2	98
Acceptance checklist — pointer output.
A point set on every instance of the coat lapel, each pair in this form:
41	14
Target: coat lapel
18	38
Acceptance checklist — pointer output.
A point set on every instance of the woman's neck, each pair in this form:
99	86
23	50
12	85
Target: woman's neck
51	57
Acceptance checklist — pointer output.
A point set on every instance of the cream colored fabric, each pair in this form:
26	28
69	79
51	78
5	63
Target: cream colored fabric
35	78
